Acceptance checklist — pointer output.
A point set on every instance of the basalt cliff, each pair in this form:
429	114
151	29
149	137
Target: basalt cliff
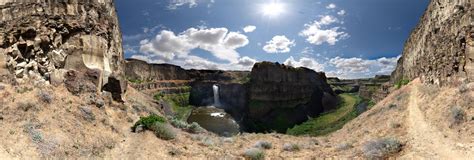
281	96
440	49
74	42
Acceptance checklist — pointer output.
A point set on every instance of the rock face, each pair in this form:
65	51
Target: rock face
441	48
141	70
38	38
171	79
282	96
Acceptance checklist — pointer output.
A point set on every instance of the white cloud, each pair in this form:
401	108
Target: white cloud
175	4
250	28
331	6
195	62
218	41
304	62
317	35
307	51
351	64
279	44
327	20
247	61
360	68
341	12
148	58
235	40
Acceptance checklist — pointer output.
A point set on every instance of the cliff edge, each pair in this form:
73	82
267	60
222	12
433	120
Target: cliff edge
440	49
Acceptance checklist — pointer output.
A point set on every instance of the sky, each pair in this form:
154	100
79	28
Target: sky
344	38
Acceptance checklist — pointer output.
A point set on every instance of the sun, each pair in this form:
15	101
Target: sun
273	9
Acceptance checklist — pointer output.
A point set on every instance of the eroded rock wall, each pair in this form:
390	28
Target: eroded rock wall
43	39
281	96
440	50
142	71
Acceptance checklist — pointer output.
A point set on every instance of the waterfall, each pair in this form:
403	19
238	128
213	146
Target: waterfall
215	89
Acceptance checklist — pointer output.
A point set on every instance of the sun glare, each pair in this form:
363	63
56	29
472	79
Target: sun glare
273	9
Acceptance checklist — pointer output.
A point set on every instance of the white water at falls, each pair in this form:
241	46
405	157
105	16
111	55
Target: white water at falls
215	89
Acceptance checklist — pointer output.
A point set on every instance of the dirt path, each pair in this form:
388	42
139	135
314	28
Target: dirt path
427	142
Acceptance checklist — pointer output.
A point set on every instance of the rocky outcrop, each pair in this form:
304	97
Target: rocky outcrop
41	40
440	50
171	79
142	71
281	96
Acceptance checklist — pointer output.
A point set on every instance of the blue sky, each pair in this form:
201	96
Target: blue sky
344	38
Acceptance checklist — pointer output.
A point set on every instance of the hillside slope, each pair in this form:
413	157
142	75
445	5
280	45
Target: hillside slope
70	127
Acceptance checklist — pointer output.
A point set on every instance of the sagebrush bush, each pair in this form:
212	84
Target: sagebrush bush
254	154
195	128
263	145
191	128
208	141
163	130
381	148
291	147
178	123
228	140
45	97
457	115
463	88
343	146
26	106
148	121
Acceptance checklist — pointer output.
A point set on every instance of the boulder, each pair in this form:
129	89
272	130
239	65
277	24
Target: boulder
3	63
116	87
57	77
82	82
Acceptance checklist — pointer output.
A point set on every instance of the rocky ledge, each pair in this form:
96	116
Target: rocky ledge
281	96
58	41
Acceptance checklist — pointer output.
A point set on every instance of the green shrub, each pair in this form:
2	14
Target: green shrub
163	131
135	81
381	148
178	102
401	83
254	154
148	121
263	145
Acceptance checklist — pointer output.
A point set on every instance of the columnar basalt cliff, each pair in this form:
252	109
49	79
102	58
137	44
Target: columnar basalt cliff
441	48
169	79
281	96
47	40
142	71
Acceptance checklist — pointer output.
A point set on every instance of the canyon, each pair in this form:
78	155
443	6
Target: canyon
67	92
283	95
